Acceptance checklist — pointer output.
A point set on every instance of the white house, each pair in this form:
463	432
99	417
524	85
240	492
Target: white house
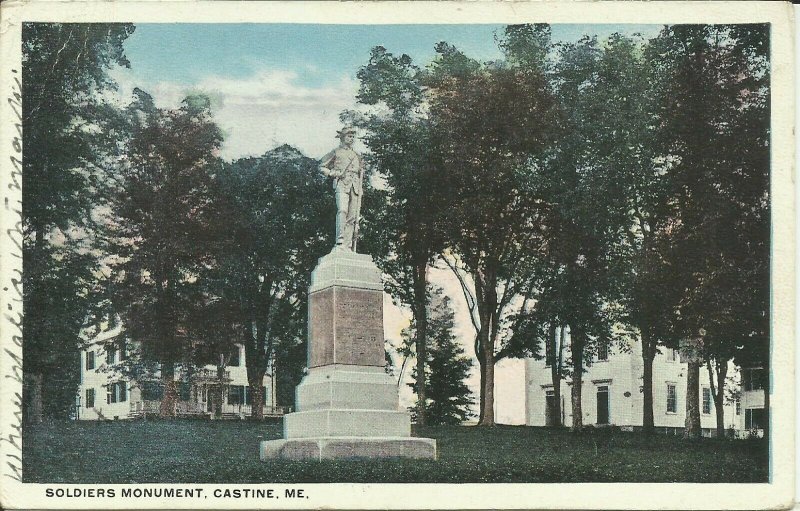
106	393
612	393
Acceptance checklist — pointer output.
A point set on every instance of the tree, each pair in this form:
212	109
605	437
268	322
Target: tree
277	234
625	94
577	283
743	324
169	235
449	398
488	121
715	128
403	231
70	136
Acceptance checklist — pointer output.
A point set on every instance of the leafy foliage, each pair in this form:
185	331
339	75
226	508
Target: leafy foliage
70	135
490	122
169	235
714	114
276	234
403	222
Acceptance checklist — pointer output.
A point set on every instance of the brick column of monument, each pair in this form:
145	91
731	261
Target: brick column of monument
347	406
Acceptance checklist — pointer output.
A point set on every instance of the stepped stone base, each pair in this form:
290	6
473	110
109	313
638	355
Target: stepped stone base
347	387
346	423
330	448
347	406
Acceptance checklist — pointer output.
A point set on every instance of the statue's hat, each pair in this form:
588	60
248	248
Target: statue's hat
344	131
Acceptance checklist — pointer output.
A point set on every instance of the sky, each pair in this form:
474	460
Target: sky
272	84
287	83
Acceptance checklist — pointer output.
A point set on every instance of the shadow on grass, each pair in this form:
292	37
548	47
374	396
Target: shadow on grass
181	451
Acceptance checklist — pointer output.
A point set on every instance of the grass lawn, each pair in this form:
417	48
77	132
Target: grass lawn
227	452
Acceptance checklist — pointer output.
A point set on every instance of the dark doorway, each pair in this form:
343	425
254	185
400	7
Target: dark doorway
602	405
550	408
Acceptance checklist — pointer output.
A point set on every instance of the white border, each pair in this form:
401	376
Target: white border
779	493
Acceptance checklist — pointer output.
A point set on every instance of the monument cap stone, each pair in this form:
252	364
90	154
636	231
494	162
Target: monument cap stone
343	267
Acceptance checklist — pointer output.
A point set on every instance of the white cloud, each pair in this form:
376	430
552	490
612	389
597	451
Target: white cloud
262	111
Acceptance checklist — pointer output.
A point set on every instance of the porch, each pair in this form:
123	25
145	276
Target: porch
189	409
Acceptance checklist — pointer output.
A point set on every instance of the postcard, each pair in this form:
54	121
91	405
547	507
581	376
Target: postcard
397	255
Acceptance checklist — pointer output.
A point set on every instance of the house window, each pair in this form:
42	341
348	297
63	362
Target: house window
672	355
672	398
152	390
117	392
754	418
235	357
89	398
602	405
752	379
90	360
602	351
706	400
236	394
738	405
122	353
111	354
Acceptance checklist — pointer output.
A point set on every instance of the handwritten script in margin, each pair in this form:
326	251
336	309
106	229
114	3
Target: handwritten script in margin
13	313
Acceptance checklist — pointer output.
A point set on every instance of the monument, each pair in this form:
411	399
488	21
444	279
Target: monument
346	406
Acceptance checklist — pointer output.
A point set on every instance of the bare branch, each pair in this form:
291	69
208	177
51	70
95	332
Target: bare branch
468	296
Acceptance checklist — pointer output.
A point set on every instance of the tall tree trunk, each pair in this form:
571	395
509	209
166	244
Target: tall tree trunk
35	408
550	359
487	384
421	318
555	373
560	362
257	354
482	375
257	391
486	364
169	400
576	347
720	411
767	410
219	388
648	355
692	425
486	297
32	387
717	382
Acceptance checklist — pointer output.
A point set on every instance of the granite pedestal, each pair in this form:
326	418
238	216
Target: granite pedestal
347	406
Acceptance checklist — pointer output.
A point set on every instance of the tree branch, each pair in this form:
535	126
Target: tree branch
468	296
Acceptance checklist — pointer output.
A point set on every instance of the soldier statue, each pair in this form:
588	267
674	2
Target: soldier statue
344	165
